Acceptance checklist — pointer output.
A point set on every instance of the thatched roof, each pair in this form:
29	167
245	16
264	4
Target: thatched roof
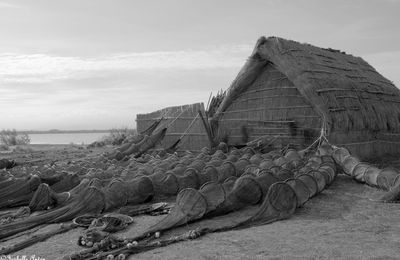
345	90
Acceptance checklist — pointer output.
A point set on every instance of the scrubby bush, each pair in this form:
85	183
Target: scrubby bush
116	137
11	137
4	147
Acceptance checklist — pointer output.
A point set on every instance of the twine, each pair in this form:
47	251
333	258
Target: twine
169	124
322	136
188	128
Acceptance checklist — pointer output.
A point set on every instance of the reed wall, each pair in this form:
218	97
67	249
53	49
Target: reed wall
178	119
270	106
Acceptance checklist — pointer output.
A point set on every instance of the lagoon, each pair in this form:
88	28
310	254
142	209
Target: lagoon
66	138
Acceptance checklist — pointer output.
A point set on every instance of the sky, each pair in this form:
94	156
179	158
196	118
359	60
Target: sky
95	64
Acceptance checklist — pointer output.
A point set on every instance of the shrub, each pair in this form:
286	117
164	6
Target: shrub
22	150
116	137
4	147
11	137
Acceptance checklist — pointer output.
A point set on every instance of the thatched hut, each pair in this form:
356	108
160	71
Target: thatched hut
182	122
290	90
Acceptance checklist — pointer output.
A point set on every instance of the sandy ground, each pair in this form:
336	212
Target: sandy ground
343	222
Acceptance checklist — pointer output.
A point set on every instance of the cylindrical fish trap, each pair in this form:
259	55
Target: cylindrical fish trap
386	178
301	190
339	154
349	163
310	182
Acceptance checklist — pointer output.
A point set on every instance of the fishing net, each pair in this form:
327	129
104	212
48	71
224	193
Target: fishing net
7	164
116	195
246	191
325	175
67	182
281	161
280	203
188	180
222	147
266	163
359	171
18	192
393	195
319	179
214	194
165	185
190	205
228	184
91	201
292	155
215	162
51	179
339	154
110	222
256	159
210	173
18	186
371	175
219	155
149	143
310	182
282	174
279	199
349	163
241	165
328	172
226	170
265	179
386	178
44	197
301	190
197	164
232	157
133	148
252	170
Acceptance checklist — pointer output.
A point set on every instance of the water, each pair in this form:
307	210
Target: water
67	138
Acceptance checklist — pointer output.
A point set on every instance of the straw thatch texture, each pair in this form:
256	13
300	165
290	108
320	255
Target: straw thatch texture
285	80
273	106
178	120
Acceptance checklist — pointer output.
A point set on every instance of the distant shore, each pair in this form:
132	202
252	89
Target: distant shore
56	131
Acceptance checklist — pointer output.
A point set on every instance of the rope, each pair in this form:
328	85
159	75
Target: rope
322	135
170	123
182	111
188	128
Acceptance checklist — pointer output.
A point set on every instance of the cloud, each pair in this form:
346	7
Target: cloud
386	63
40	68
8	5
